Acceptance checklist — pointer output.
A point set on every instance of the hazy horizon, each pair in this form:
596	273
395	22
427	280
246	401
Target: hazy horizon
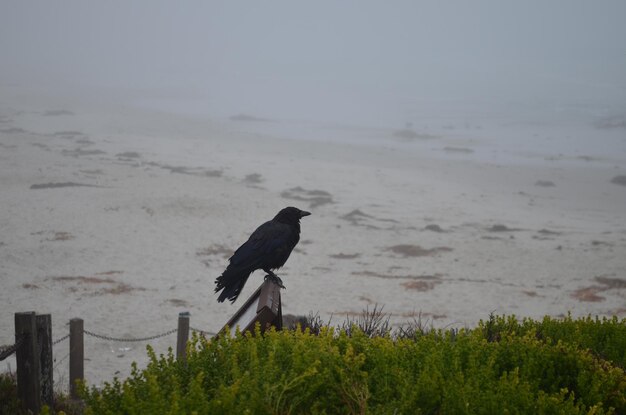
354	60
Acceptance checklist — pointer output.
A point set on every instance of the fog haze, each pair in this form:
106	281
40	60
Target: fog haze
358	61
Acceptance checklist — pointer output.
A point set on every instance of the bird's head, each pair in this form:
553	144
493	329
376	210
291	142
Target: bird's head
291	215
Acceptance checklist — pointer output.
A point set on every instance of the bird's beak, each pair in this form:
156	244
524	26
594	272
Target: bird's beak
304	213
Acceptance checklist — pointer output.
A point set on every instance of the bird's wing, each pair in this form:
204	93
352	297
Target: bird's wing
271	242
266	239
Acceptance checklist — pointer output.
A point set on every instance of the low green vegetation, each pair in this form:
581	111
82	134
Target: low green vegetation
9	403
605	338
502	366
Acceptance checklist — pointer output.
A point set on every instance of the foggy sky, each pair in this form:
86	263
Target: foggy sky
294	59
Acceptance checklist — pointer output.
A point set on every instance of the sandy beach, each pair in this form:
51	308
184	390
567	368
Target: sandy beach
124	214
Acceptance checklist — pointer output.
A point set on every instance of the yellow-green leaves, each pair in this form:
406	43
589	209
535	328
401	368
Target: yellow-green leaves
502	366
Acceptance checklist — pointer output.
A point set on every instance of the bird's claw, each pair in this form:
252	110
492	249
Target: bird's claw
275	279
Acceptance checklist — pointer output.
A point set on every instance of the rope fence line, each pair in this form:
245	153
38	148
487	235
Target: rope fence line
128	339
8	350
67	336
116	339
203	332
61	360
54	343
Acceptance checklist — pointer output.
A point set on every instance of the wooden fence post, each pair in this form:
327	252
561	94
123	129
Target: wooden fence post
27	361
77	355
44	349
183	335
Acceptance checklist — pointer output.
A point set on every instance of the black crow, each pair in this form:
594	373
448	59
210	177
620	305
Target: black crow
267	248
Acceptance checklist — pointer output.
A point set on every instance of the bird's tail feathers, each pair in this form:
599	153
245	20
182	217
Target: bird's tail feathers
231	283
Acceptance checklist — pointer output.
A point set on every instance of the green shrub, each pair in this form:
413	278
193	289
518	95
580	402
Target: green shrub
604	337
9	401
503	366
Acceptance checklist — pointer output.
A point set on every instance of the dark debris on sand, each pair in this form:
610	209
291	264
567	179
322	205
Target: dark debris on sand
544	183
59	185
621	180
502	228
416	251
313	197
434	228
